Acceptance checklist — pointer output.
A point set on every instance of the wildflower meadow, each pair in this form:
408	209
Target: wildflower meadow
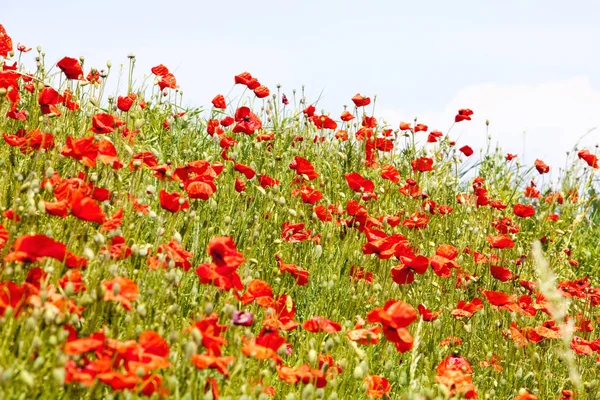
262	248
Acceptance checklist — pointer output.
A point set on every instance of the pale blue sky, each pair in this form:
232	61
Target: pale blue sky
526	65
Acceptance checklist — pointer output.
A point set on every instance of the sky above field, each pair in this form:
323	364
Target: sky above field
532	68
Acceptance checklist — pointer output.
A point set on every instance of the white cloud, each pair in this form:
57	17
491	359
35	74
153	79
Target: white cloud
544	120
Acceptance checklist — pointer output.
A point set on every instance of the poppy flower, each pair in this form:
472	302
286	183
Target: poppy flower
200	187
421	128
323	122
346	116
501	273
309	195
454	372
303	167
417	220
321	324
70	67
242	318
500	242
405	273
246	121
361	101
265	346
389	172
30	248
6	45
259	291
239	185
359	184
261	91
510	157
122	290
422	164
124	103
377	386
523	211
588	157
300	274
427	314
541	167
266	181
172	202
405	126
466	150
464	309
220	363
48	99
105	123
463	114
86	208
395	316
245	78
309	111
219	102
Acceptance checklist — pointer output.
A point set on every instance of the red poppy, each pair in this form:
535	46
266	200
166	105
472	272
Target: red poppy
523	211
173	202
265	346
359	184
105	123
30	248
422	164
219	102
86	208
323	122
308	194
405	126
300	274
389	172
361	101
346	116
321	324
309	111
124	103
247	121
261	91
541	167
464	309
427	314
303	167
500	242
463	114
266	181
259	291
71	68
404	273
501	273
377	386
245	78
220	363
48	99
122	290
395	316
6	45
421	128
466	150
417	220
588	157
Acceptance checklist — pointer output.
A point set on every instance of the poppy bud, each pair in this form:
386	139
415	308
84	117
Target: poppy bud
308	391
197	335
59	376
312	356
358	373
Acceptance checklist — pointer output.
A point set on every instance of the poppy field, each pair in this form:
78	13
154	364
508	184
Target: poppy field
263	248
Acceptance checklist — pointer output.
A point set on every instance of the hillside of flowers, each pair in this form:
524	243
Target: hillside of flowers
262	248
